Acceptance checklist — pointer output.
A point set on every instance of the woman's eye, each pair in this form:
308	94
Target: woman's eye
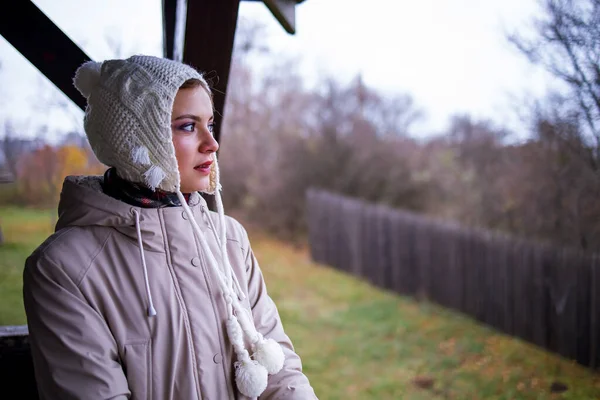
211	127
188	127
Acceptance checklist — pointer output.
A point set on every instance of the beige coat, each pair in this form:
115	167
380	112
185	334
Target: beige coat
86	303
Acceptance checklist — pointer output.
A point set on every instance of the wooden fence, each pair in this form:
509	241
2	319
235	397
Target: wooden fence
545	295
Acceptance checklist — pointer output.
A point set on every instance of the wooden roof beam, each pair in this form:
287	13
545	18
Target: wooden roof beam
208	45
174	17
285	12
47	47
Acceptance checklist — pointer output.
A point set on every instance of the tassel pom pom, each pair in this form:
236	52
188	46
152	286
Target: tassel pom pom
139	155
270	355
154	176
250	378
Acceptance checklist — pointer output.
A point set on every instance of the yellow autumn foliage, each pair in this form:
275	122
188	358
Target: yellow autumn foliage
42	172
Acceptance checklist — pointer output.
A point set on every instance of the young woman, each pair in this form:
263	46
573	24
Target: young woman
142	292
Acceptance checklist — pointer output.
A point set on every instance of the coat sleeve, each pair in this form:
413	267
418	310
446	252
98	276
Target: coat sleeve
74	353
290	383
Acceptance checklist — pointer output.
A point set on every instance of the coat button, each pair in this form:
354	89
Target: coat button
184	215
196	262
218	359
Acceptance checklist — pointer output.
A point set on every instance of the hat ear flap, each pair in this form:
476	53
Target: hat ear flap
213	179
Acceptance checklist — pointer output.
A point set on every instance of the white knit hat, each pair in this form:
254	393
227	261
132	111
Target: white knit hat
128	124
128	116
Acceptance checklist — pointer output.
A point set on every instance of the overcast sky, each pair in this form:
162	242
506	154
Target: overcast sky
450	55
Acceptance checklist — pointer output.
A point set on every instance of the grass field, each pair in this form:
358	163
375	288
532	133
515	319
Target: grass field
356	341
23	231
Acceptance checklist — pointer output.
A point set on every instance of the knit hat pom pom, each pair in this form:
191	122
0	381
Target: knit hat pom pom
250	378
87	77
270	355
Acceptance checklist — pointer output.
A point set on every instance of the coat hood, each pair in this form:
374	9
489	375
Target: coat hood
83	203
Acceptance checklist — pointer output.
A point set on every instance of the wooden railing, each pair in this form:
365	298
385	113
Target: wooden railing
16	367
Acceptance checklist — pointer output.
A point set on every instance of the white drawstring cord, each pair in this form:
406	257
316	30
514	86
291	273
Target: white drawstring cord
222	279
151	310
231	301
223	231
242	316
267	352
231	276
246	323
251	373
224	269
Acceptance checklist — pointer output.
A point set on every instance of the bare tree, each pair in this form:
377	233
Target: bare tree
12	148
566	41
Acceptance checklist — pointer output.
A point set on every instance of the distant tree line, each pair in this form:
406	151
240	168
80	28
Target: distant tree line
37	169
280	138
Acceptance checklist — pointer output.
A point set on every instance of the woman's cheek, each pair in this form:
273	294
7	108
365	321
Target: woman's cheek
181	144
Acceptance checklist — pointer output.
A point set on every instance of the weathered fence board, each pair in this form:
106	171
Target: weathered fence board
595	314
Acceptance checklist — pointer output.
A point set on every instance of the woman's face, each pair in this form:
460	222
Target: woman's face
192	126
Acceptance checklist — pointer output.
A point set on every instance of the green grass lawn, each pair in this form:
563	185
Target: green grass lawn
358	342
23	231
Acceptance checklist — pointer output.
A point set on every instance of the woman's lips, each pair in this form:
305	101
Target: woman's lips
204	168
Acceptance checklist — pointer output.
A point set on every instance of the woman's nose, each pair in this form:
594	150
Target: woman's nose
209	144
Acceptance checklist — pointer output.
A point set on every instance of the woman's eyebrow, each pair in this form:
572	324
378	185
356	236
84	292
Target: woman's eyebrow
191	116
